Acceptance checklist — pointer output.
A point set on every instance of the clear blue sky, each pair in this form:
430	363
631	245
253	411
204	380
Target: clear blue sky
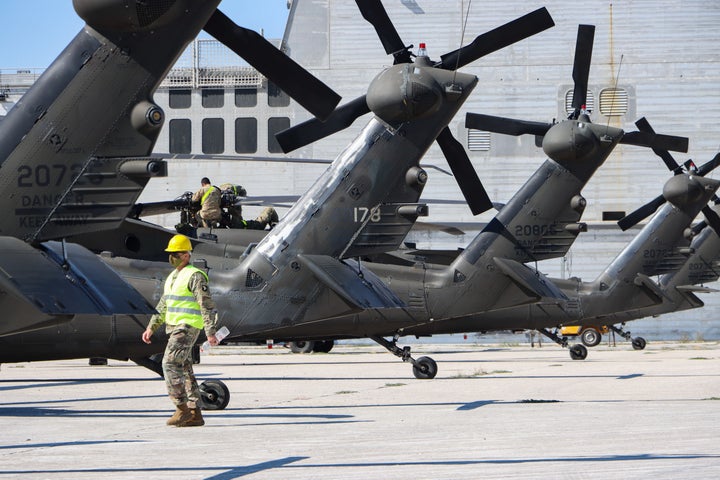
34	32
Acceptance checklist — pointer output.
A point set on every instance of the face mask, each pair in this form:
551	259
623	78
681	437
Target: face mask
174	261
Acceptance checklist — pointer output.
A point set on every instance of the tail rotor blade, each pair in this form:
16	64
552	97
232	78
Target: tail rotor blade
465	175
298	83
699	227
644	126
581	65
507	126
712	218
641	213
374	12
312	130
512	32
662	142
706	168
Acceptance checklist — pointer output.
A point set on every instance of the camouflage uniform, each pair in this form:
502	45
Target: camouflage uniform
177	360
209	213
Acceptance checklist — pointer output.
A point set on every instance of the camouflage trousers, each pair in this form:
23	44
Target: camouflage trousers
177	365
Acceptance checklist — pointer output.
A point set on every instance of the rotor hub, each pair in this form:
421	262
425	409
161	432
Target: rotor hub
686	190
404	92
570	141
121	15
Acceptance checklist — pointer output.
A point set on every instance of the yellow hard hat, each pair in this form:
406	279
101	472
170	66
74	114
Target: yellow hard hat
179	243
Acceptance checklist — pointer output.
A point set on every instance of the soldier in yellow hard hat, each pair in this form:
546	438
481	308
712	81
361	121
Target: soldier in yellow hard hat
185	308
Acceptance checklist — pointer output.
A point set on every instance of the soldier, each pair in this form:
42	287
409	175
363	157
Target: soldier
209	199
234	210
186	307
233	217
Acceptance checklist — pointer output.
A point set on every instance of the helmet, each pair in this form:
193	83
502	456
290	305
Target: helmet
179	243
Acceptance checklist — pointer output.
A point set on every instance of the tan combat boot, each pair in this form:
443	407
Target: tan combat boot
182	414
196	420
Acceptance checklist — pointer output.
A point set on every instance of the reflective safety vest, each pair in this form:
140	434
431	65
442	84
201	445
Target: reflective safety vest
180	301
209	192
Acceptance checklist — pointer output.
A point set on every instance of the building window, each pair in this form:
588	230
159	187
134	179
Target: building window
246	135
276	97
213	98
180	135
589	102
213	135
478	140
246	97
275	125
613	102
179	98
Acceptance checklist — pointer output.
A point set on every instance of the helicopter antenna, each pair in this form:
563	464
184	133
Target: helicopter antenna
615	89
462	39
65	264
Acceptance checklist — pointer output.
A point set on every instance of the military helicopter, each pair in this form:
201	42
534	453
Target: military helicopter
294	275
624	289
72	164
540	222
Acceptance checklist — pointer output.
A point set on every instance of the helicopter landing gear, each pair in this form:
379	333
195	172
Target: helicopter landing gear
638	343
577	351
424	368
215	395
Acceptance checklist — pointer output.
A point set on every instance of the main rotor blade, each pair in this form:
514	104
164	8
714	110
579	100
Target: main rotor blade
712	218
708	167
663	142
641	213
291	78
507	126
465	175
644	126
312	130
518	29
581	65
374	12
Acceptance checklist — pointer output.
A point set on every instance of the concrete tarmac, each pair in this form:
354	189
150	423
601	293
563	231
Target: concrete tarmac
493	411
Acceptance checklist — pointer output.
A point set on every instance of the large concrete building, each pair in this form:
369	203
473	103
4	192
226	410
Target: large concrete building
657	59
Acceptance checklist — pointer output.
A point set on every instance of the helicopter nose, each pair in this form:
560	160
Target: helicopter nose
570	141
404	92
684	190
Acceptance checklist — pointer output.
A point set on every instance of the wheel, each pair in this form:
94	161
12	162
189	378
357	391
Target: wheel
215	395
302	346
323	346
578	352
590	337
425	368
638	343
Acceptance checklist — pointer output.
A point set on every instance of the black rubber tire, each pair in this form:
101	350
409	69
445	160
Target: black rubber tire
215	395
302	346
425	368
323	346
590	337
639	343
578	352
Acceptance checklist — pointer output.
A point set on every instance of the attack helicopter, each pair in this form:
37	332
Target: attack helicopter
540	222
294	275
75	150
624	290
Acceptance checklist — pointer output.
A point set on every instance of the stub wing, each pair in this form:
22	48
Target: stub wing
52	283
365	291
528	286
